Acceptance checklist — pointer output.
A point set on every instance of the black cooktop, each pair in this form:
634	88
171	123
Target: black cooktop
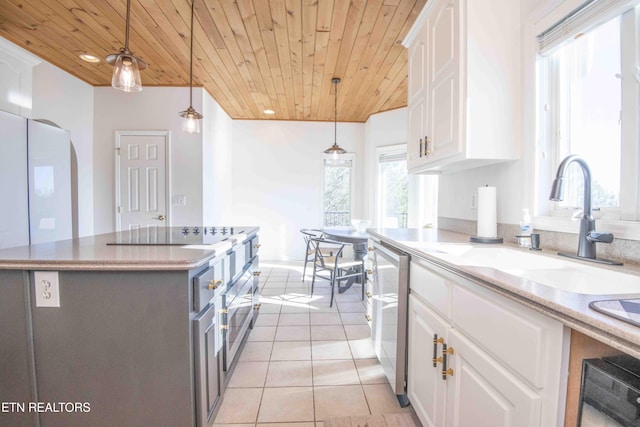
186	235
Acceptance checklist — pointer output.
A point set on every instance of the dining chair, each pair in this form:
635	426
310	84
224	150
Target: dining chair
335	267
310	250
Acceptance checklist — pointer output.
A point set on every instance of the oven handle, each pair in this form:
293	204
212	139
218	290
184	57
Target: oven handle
389	254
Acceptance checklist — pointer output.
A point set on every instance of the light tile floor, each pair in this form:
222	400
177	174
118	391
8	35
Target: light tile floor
305	361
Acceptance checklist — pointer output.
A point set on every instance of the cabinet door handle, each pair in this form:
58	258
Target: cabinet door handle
446	351
257	273
369	294
257	246
427	140
436	341
214	284
421	147
366	316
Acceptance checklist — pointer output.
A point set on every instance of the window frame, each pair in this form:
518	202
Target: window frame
388	150
539	125
352	175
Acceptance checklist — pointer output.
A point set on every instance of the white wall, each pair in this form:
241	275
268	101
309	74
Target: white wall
216	158
155	108
277	178
68	102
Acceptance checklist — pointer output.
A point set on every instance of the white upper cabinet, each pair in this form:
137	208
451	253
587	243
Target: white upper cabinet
464	85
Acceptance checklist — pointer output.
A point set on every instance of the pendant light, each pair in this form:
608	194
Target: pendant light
126	72
190	117
335	149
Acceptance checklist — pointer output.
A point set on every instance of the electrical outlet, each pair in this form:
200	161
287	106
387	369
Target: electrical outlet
47	288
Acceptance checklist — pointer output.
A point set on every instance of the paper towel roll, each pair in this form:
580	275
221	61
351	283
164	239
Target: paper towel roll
487	215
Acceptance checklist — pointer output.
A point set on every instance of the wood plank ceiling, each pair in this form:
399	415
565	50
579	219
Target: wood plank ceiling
250	55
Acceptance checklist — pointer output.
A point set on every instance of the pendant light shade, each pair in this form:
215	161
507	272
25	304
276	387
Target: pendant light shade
126	71
190	117
335	149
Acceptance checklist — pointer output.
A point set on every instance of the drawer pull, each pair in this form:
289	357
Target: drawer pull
366	316
446	371
257	246
369	271
257	273
214	284
370	248
436	341
256	306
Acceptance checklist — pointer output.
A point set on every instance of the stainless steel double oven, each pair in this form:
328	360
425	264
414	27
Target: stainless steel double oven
226	300
237	313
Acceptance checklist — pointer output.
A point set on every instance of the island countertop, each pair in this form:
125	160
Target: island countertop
100	252
570	308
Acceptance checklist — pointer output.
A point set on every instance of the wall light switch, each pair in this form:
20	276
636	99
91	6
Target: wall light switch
47	288
179	200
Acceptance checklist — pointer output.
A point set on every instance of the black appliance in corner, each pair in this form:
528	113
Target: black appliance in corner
610	392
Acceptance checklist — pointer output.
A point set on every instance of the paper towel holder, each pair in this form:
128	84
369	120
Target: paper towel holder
493	240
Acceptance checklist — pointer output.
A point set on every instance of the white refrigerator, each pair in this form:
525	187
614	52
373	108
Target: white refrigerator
35	182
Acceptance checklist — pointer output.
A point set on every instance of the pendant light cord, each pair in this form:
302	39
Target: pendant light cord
191	60
335	117
126	34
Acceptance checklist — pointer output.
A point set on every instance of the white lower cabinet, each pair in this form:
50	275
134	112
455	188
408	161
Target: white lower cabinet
482	393
497	362
425	388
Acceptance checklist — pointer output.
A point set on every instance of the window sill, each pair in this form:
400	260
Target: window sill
629	230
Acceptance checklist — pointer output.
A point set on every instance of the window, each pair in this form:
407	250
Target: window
337	192
403	200
393	188
589	93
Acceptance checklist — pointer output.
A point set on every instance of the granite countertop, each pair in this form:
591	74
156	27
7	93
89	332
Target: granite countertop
99	253
570	308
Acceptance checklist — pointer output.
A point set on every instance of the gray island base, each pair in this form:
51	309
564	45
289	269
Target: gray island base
126	346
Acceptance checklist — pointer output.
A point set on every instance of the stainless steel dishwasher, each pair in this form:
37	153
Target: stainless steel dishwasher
390	296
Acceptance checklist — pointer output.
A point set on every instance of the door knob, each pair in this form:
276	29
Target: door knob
160	217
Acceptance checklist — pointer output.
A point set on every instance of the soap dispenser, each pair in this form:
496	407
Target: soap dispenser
524	238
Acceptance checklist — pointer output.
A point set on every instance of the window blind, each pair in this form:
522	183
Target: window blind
338	162
392	157
587	16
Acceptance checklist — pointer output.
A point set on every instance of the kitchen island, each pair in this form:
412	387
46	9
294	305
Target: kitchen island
505	326
121	329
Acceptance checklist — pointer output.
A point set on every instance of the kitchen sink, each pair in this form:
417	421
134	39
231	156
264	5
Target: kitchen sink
544	269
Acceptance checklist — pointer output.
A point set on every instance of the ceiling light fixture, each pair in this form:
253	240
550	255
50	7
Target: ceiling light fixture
190	117
89	58
126	71
335	149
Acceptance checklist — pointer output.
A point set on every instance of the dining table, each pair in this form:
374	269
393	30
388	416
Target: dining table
358	239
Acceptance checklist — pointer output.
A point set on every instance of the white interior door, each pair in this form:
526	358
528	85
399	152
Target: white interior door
142	179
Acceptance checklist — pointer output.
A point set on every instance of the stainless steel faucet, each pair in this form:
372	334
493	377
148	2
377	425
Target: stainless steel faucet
588	236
